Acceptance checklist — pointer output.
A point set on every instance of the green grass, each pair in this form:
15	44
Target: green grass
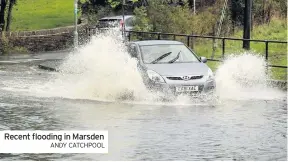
276	30
42	14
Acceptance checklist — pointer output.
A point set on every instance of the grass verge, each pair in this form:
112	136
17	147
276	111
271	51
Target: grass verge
42	14
276	30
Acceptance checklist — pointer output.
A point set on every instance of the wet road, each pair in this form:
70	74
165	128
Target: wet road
228	130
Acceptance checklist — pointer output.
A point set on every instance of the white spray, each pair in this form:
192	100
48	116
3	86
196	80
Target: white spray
102	70
243	77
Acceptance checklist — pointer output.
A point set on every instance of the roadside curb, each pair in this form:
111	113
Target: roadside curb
51	65
47	68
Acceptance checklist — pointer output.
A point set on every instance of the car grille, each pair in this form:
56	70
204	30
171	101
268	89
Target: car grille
190	78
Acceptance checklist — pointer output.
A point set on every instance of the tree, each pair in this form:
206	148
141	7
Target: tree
141	22
95	7
2	13
118	3
9	16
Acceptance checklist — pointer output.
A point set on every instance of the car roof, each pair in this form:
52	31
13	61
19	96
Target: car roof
156	42
120	17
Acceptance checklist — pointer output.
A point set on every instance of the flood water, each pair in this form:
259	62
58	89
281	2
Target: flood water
248	125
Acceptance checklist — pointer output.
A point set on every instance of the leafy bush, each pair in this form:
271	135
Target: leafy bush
8	48
5	43
95	14
142	22
162	17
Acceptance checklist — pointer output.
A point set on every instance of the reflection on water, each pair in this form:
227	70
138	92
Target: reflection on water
234	130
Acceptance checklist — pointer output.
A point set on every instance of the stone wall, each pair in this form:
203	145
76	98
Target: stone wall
46	40
43	43
45	32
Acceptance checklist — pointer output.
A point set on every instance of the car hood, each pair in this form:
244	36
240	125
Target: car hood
179	69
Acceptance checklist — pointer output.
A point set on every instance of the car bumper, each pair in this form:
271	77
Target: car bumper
207	87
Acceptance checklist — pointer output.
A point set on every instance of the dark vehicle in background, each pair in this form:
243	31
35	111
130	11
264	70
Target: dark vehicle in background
116	22
171	67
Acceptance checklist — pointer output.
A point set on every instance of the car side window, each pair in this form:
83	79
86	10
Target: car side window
133	51
129	21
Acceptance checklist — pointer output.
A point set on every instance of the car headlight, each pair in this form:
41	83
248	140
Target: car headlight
155	76
210	74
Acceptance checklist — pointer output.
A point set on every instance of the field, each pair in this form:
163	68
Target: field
42	14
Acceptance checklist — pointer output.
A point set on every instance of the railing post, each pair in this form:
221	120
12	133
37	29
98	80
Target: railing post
223	48
192	44
266	55
129	36
266	50
138	36
214	46
213	43
159	35
188	41
174	37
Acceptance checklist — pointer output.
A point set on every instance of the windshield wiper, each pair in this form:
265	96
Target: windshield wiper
161	57
176	58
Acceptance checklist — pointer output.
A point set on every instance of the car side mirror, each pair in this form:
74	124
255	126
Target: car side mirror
203	59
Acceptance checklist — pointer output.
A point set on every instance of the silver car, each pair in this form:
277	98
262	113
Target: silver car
172	67
116	22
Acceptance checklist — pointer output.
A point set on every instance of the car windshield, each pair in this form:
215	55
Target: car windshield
167	53
105	23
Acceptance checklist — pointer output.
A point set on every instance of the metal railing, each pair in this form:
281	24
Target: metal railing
191	38
159	35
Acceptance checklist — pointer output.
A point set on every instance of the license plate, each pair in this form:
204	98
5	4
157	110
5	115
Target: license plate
187	89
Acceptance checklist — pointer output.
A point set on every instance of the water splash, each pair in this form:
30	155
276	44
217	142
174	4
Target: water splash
102	70
244	77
